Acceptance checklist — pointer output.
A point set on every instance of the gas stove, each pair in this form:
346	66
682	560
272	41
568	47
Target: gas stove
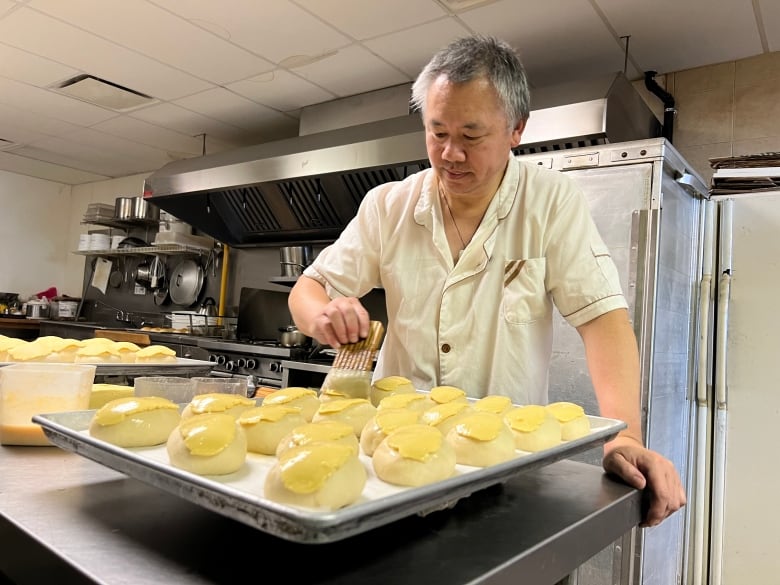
262	360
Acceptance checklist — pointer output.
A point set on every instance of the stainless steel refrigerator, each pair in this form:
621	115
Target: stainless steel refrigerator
649	206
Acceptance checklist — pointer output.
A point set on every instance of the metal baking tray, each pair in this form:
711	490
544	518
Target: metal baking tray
182	367
240	495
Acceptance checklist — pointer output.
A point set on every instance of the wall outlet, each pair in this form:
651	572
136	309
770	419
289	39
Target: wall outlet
139	289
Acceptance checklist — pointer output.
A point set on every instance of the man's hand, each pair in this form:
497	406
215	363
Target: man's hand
646	470
342	320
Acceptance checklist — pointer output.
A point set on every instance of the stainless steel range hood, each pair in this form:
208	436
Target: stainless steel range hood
307	188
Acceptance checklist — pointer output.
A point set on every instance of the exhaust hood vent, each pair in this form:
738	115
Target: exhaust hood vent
306	189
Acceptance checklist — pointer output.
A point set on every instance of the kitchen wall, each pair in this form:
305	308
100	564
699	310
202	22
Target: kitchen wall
723	110
726	109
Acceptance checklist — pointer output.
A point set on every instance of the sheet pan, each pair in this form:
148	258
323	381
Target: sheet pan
182	367
240	495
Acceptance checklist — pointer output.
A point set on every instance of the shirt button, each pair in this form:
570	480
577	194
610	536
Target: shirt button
445	348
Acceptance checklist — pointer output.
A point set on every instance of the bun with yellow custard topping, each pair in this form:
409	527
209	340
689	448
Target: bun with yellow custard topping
445	394
533	427
383	423
390	386
481	439
217	402
330	430
322	475
138	421
353	411
574	422
208	444
414	455
266	425
304	398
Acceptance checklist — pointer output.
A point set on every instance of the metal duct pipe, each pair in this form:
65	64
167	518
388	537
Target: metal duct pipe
668	99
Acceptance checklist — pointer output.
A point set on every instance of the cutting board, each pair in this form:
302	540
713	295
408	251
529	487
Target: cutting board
119	335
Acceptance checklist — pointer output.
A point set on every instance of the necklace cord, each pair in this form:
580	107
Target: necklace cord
454	223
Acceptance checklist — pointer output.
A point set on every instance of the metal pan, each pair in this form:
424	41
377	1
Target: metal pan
186	282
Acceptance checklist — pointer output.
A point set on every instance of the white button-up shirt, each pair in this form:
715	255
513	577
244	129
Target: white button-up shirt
483	324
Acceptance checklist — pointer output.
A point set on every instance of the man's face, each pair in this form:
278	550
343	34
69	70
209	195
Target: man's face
467	136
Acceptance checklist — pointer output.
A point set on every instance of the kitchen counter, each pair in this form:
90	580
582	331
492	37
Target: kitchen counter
21	328
66	520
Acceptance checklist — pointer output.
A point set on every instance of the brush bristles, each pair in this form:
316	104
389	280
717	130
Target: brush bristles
360	355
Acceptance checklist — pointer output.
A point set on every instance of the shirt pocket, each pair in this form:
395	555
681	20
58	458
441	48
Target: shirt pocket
524	298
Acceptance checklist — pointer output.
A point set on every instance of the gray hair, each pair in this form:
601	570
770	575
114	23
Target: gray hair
474	57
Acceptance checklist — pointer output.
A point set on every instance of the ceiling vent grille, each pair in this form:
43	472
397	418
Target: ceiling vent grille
103	93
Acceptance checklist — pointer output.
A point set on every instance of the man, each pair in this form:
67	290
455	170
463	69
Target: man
473	254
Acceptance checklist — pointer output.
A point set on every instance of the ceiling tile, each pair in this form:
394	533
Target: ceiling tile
63	43
364	19
171	40
339	73
74	155
668	36
145	133
33	120
22	165
281	90
187	122
411	49
257	121
140	157
46	102
28	68
557	40
276	30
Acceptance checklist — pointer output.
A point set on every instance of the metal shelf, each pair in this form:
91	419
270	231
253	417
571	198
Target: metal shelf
124	224
164	249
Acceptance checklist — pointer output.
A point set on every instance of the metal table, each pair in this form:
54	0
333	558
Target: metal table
65	519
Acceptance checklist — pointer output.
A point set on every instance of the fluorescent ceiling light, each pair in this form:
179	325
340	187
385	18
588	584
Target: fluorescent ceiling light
103	93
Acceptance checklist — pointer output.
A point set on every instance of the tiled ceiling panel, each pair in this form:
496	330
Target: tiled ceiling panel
237	72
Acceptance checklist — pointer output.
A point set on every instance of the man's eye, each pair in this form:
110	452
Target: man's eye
440	135
472	138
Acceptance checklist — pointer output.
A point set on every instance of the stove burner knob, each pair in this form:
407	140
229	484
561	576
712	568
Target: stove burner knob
275	367
212	357
230	366
241	362
220	359
251	364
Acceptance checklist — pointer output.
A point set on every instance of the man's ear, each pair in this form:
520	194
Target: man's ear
517	132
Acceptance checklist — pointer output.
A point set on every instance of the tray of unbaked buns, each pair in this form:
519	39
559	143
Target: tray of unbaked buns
274	462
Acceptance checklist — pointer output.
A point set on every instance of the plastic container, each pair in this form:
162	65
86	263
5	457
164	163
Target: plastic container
40	388
205	385
179	390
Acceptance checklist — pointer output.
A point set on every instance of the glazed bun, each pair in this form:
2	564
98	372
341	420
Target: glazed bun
98	353
382	424
444	394
126	351
104	393
445	416
353	411
331	431
390	386
135	421
304	398
416	402
414	455
574	422
209	444
351	383
266	425
321	475
533	427
481	439
496	404
327	394
155	354
217	402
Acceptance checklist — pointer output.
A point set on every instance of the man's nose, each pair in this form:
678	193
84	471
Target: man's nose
452	151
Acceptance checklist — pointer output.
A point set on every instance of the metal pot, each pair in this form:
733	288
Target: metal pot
294	259
37	310
291	337
123	208
142	209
